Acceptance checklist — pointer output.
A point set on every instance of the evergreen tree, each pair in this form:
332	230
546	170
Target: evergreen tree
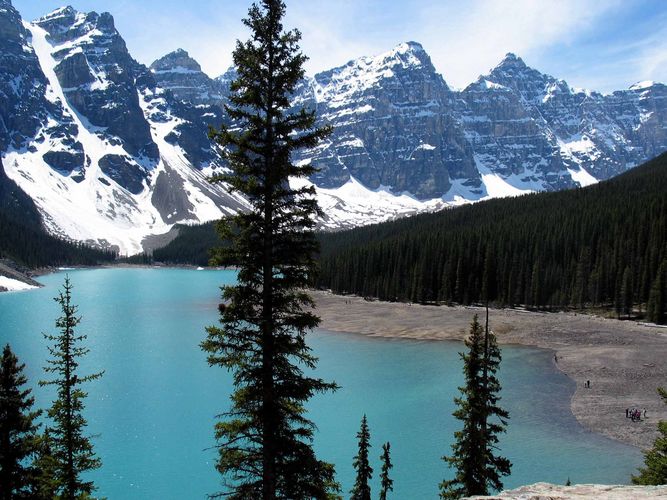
386	483
265	440
656	309
18	429
477	467
361	489
46	482
626	293
71	450
517	251
655	459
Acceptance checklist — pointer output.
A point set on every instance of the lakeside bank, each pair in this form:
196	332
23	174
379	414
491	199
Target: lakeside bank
624	361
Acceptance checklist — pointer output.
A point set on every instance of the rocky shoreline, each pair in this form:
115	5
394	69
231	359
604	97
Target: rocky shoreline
546	491
623	360
14	272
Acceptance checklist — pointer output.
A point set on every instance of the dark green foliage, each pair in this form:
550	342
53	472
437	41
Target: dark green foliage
386	483
15	204
192	245
547	250
654	471
265	439
45	466
478	469
71	450
361	489
656	309
139	259
18	430
33	247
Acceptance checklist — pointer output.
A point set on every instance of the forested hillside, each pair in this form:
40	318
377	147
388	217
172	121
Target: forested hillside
600	246
191	246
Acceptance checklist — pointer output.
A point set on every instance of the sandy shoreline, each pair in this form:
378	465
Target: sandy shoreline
625	361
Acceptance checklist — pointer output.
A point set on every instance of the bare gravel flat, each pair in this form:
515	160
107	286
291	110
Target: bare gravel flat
625	361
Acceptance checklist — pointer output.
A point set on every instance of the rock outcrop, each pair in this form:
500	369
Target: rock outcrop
182	75
546	491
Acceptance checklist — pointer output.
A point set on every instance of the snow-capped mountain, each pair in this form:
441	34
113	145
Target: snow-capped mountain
394	126
107	156
112	151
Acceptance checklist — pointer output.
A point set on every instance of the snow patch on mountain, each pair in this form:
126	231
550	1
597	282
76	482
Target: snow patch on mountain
95	209
353	204
582	177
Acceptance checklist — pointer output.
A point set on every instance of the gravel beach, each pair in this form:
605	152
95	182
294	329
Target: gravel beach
624	361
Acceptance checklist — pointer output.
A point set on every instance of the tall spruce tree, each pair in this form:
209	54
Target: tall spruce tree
265	439
70	449
386	483
478	469
361	489
18	430
654	471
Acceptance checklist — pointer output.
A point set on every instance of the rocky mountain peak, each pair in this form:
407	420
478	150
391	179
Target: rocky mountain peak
182	75
66	12
511	68
60	20
66	24
514	74
405	65
408	55
177	61
511	60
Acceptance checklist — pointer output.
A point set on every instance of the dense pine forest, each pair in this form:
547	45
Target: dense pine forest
23	240
601	246
191	246
33	247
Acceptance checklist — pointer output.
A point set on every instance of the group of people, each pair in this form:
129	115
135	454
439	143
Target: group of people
634	413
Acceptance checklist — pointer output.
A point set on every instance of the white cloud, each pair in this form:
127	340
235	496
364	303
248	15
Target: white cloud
465	44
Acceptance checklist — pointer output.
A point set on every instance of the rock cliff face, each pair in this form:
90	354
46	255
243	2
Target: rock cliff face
398	126
181	74
531	128
99	79
26	115
112	151
393	124
90	136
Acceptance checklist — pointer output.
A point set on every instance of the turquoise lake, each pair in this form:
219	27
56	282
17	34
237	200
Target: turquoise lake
154	407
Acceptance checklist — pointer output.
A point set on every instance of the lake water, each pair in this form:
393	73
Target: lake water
154	407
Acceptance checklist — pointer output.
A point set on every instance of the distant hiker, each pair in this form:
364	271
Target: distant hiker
644	413
588	384
627	411
556	357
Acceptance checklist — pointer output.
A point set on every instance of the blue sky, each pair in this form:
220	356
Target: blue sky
600	45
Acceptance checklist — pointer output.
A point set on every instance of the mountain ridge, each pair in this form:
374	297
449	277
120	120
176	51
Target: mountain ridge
89	130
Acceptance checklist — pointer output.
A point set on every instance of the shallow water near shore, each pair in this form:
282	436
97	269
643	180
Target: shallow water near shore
154	407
